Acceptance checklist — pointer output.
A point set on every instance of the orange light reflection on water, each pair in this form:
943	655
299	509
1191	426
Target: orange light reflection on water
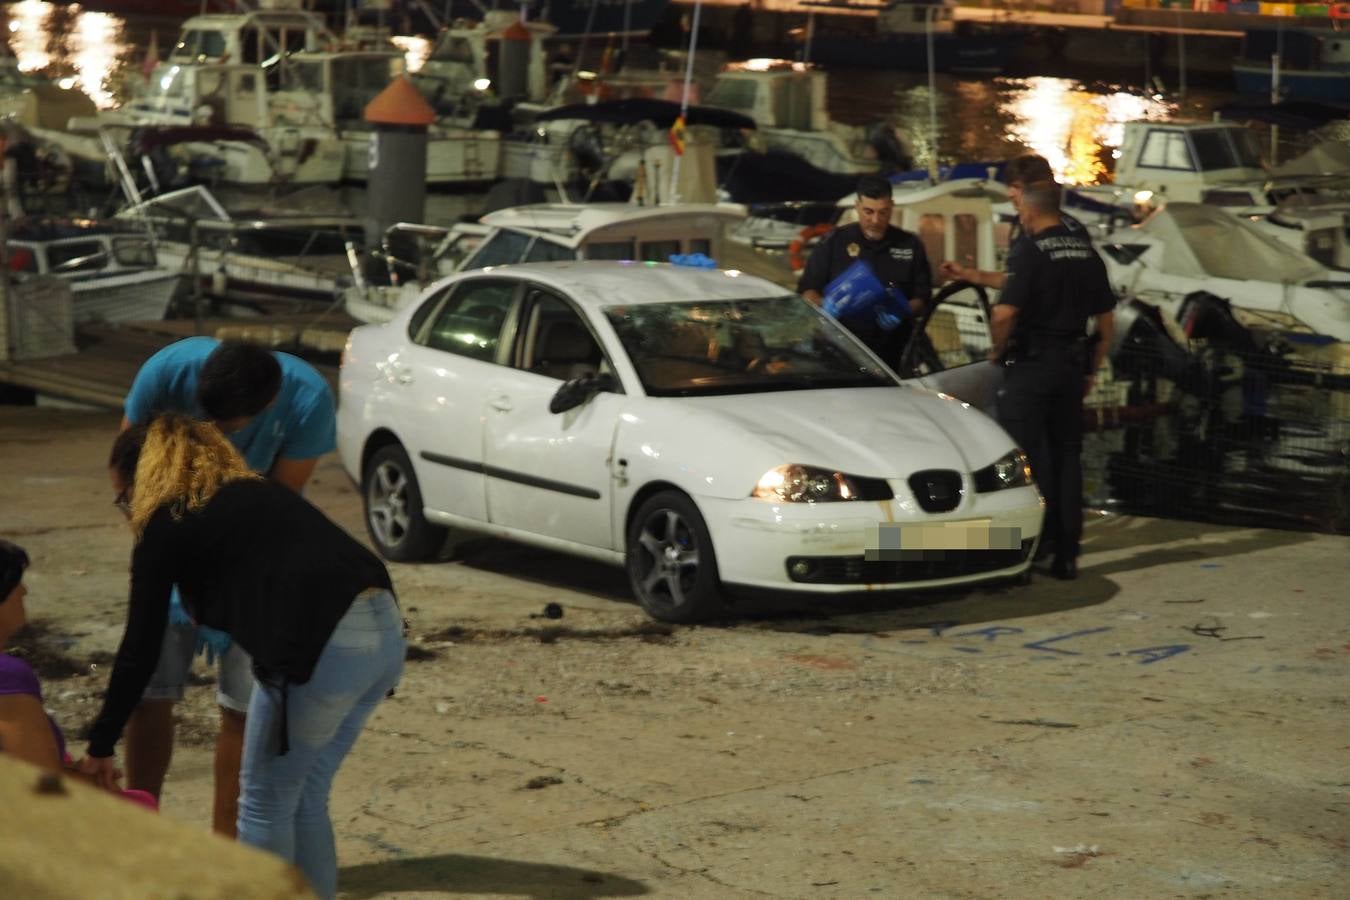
1074	129
75	47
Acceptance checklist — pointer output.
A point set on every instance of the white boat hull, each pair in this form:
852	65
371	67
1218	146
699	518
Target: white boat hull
130	297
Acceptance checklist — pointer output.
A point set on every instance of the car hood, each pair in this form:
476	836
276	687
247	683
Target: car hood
875	432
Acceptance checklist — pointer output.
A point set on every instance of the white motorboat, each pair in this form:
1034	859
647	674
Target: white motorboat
548	232
787	101
115	276
1321	230
1217	163
255	258
1185	248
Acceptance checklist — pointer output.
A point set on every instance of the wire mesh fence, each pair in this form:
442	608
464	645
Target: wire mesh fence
1248	435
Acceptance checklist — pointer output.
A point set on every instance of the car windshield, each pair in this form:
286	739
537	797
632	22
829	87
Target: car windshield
740	347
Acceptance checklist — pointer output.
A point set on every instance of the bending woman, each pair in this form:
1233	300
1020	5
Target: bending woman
313	607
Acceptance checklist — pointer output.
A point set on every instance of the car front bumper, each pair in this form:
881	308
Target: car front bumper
823	547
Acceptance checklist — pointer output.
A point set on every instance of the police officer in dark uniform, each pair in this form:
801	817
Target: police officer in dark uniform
1056	284
1029	168
896	256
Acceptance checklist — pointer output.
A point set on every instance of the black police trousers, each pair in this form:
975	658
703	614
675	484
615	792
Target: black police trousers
1041	405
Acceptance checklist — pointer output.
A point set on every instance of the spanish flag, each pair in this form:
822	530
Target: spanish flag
677	136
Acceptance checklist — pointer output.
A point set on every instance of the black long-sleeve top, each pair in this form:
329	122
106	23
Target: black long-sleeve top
257	562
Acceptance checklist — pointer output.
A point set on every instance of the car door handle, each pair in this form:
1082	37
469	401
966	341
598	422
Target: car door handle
501	403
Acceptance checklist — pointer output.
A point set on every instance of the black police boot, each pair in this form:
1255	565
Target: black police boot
1064	568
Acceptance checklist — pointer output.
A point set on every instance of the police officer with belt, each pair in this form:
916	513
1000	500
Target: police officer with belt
1054	286
896	257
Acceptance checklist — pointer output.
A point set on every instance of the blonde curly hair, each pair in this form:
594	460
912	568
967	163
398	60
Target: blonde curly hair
176	461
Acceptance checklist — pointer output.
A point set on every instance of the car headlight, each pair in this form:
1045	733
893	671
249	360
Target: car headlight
807	484
1013	470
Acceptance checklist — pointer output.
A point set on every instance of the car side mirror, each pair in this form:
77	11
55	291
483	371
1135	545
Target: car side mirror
573	393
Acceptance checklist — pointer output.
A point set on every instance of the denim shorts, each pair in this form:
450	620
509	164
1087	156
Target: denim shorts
234	677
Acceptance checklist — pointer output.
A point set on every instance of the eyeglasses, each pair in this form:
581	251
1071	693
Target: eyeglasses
123	503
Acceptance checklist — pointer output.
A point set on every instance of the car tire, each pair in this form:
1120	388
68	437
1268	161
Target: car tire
392	501
671	564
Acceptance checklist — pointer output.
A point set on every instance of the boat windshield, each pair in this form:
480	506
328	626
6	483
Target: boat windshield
1225	148
708	347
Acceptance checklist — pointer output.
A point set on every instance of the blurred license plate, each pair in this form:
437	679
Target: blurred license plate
905	541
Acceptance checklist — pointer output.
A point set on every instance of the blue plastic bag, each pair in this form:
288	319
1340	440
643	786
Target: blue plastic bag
857	295
696	260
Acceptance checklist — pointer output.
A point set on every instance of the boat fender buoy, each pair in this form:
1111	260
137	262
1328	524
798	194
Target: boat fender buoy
807	235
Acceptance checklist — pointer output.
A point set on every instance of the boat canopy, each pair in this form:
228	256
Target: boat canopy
1326	158
1205	241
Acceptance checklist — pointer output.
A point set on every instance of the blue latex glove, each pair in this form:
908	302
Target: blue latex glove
892	310
214	643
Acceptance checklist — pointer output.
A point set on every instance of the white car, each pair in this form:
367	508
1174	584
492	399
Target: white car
703	428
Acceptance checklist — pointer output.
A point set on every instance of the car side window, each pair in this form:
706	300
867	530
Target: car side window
557	342
471	321
503	248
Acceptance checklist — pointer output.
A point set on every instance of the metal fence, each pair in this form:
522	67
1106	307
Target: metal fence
1253	431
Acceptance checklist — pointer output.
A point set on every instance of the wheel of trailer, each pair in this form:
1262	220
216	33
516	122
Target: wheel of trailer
393	506
670	559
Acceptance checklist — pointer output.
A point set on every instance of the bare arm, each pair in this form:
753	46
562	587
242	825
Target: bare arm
1106	330
293	473
956	272
25	732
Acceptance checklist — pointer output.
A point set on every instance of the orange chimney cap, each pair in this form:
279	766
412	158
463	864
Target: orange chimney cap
516	31
400	104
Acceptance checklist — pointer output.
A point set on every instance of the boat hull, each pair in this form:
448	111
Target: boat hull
126	297
1295	84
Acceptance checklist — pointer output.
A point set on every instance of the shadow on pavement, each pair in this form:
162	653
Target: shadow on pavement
870	612
453	873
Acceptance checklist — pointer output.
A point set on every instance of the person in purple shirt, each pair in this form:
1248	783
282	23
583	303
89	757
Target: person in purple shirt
26	731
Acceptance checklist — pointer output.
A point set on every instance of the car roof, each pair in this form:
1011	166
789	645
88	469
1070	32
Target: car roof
599	283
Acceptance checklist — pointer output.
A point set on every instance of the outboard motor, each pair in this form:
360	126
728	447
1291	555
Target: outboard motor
1143	348
892	156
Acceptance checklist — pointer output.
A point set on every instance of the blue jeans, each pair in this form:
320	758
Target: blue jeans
283	800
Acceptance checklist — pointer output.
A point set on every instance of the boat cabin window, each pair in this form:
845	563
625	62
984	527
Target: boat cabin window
700	245
133	251
658	251
503	248
1225	148
544	250
356	82
610	250
197	44
1166	150
306	77
77	256
732	93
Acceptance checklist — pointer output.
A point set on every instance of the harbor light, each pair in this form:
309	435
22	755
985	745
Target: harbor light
482	84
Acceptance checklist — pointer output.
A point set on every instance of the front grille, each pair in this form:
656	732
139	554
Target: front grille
937	490
930	565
